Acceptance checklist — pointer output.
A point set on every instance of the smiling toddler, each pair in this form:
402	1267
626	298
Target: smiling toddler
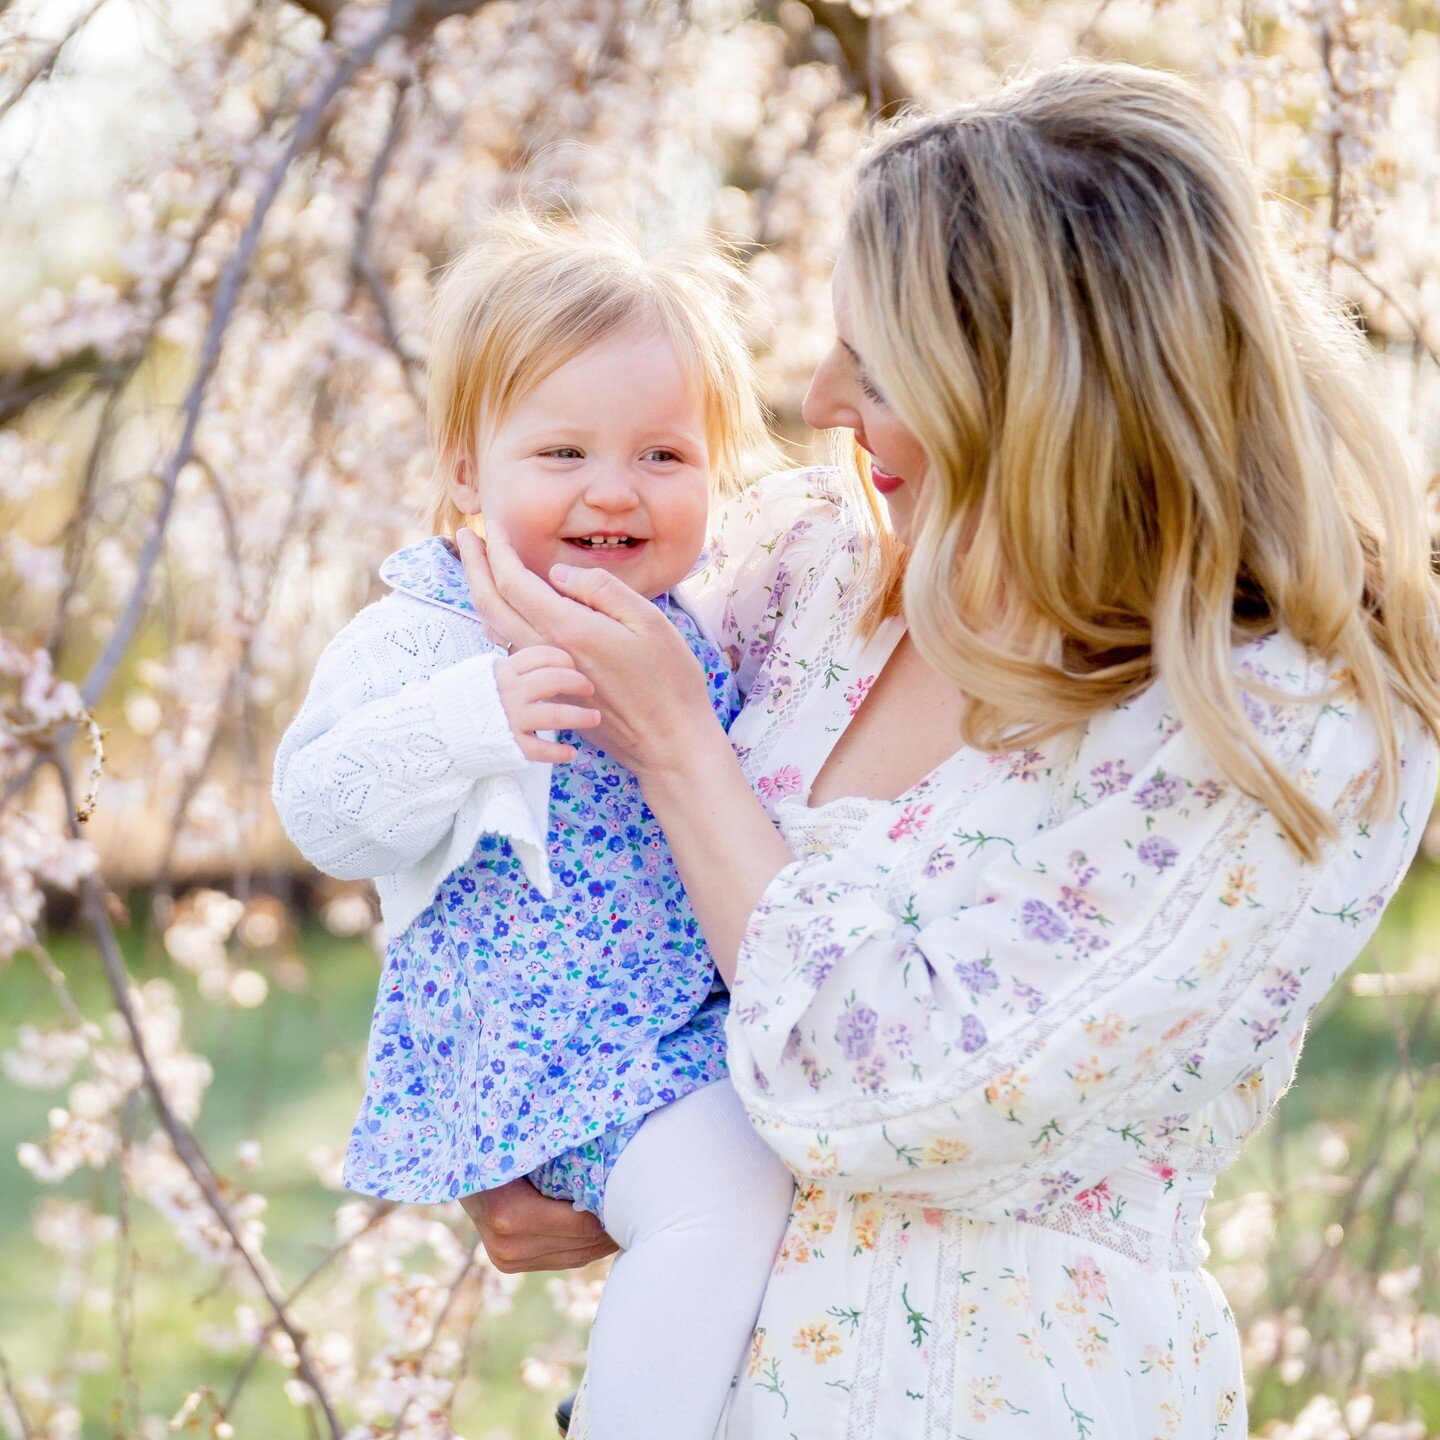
547	1007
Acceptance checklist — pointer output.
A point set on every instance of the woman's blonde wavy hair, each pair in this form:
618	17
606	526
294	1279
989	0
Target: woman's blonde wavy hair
1149	437
538	287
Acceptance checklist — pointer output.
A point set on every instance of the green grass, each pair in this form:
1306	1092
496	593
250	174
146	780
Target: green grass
287	1074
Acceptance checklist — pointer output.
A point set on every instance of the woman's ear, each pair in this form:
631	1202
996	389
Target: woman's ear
464	483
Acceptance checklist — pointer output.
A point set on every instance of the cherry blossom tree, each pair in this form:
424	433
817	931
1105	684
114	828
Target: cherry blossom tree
209	439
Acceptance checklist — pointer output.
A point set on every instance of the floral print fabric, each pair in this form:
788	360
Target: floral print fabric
511	1029
1007	1028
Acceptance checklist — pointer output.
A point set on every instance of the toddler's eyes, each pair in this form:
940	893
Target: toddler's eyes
661	456
564	452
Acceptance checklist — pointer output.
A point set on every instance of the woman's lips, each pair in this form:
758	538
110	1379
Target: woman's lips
883	480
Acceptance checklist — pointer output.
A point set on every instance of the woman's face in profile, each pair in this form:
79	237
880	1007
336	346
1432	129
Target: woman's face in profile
842	396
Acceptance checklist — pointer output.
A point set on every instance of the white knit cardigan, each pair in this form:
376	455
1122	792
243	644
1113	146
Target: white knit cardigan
402	757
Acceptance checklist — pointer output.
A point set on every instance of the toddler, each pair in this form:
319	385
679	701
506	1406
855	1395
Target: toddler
547	1006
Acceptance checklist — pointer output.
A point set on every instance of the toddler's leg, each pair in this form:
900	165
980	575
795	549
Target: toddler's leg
698	1204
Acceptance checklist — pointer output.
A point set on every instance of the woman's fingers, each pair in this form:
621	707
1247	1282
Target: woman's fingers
602	591
544	612
497	613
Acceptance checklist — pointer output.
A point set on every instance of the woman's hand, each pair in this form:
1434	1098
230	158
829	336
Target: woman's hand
646	685
522	1229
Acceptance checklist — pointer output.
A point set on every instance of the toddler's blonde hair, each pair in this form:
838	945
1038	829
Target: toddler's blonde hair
537	289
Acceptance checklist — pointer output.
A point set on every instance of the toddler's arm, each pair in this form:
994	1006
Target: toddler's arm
402	718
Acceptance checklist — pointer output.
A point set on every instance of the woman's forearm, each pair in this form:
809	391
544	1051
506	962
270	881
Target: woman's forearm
724	844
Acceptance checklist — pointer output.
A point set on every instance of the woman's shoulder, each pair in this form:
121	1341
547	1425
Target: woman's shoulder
780	511
1302	712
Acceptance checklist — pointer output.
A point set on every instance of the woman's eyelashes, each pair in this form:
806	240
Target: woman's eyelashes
870	392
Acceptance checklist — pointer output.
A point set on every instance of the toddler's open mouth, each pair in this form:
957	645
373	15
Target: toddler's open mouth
608	547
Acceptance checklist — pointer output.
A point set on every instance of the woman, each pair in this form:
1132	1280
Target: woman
1007	1009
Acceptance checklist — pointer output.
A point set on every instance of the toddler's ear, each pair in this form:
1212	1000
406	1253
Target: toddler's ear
464	483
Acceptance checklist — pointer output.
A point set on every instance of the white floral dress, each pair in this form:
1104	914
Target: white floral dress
1008	1028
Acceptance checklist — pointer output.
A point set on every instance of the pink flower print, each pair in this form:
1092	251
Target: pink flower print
855	694
785	781
1096	1198
1088	1279
1162	1171
913	819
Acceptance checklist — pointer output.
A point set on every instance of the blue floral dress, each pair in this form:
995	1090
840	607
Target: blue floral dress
516	1034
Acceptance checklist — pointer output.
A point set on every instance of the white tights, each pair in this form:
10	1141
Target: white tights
698	1204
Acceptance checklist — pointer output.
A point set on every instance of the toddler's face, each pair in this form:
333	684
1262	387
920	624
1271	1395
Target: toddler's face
604	465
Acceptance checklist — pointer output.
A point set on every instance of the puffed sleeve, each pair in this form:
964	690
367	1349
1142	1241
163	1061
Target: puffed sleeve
766	547
1112	972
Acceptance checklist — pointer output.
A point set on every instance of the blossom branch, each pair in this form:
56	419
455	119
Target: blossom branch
343	68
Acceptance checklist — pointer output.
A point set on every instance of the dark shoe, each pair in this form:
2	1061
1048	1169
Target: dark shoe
563	1412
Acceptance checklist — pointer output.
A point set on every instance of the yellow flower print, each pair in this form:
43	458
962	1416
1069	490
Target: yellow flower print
793	1252
1094	1345
757	1353
965	1320
983	1394
1088	1074
1252	1084
1170	1417
1239	885
1199	1340
1158	1359
866	1230
819	1340
1017	1291
946	1152
1008	1091
822	1162
1034	1344
1214	957
811	1217
1107	1029
1226	1409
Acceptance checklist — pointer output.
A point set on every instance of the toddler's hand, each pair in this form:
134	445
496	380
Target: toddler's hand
529	682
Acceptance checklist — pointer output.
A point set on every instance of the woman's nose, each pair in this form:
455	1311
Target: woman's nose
825	406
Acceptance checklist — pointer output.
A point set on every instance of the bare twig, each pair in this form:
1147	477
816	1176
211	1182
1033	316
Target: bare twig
182	1139
342	70
377	1214
1417	331
12	1393
47	62
363	265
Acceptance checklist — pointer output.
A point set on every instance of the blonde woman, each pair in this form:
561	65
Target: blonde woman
1070	808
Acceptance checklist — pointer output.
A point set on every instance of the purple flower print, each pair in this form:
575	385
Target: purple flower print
972	1034
1110	776
977	976
1157	852
1031	998
1159	792
1039	922
820	962
939	862
856	1032
1285	989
